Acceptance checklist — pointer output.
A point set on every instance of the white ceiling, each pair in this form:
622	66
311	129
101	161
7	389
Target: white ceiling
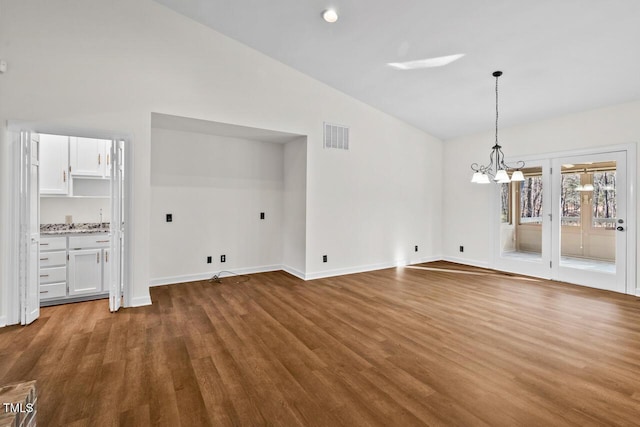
558	56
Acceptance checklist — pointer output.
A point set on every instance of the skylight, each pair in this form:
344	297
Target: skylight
425	63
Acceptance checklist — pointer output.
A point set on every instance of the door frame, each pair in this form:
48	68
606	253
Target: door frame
14	305
497	261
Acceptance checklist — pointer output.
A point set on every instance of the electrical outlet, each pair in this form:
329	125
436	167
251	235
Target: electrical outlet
169	217
324	258
208	260
223	258
261	215
461	248
416	248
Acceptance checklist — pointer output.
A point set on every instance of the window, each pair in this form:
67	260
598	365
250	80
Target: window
570	199
505	203
531	200
604	200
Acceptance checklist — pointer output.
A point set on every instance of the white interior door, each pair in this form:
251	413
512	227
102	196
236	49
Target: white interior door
590	236
116	276
29	219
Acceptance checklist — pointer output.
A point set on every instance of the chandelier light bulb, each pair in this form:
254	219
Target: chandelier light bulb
501	177
517	176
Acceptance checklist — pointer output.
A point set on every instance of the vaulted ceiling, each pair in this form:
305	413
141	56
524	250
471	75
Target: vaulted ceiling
558	56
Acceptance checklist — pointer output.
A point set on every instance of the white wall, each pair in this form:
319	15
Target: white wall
54	209
215	188
294	230
106	65
466	206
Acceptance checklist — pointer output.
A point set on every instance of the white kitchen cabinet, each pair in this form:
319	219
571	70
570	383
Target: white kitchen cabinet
88	157
89	265
53	267
54	164
85	271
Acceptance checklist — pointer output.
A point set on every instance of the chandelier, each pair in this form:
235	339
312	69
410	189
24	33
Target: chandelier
497	168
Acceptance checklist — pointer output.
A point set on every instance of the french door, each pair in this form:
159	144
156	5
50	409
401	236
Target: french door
568	221
589	239
115	275
29	227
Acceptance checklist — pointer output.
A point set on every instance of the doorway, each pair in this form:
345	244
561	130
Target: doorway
571	220
33	261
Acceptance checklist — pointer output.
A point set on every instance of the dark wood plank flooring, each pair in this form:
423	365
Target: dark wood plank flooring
392	347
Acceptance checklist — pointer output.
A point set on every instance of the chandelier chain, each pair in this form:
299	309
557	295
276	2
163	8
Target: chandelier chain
497	110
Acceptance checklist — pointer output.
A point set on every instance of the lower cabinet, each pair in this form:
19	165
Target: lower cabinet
53	267
85	271
80	268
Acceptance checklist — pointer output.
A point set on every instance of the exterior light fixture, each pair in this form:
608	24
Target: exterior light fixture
497	168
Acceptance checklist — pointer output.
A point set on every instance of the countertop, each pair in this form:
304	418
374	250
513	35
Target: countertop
75	228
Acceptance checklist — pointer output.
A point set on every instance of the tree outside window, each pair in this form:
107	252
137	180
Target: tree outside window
531	200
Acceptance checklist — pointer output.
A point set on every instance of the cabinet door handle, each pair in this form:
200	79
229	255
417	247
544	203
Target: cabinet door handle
44	275
106	257
44	259
98	258
102	241
44	244
98	158
107	158
44	292
64	176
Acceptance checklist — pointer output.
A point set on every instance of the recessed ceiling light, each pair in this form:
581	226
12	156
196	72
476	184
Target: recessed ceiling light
425	63
330	15
568	165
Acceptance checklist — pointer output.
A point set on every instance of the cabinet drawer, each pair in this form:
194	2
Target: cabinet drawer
93	241
53	243
53	290
51	259
54	274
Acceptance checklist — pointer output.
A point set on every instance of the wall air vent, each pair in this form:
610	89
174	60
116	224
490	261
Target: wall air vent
336	136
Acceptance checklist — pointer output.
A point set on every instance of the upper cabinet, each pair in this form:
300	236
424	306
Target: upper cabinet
54	164
88	157
74	166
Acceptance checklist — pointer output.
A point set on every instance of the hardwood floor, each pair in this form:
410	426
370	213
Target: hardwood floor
392	347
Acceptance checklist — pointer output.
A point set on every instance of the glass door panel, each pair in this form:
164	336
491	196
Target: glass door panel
524	237
589	248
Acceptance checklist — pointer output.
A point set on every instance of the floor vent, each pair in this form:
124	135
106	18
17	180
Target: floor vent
336	136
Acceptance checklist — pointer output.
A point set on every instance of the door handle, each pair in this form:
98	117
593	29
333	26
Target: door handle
620	228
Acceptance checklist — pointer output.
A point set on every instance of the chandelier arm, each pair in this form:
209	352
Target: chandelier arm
500	161
517	165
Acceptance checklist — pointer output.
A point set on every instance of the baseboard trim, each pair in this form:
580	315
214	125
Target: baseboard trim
466	261
370	267
294	272
208	275
140	301
3	321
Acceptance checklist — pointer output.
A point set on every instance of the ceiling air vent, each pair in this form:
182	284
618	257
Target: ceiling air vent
336	136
